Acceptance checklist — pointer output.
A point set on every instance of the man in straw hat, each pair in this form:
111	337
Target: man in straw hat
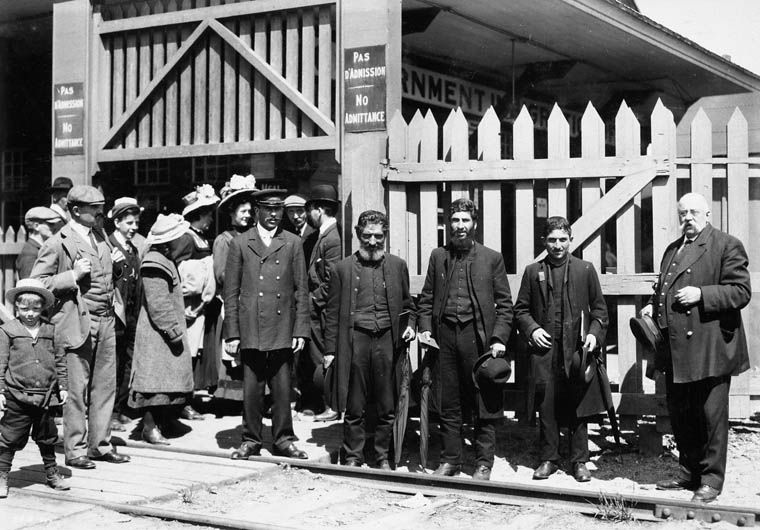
41	223
295	210
267	319
76	265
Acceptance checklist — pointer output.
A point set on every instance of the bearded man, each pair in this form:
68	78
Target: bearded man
368	318
466	306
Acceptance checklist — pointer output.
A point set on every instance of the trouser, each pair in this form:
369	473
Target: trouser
125	343
259	369
699	417
371	372
92	388
17	419
557	407
310	373
459	349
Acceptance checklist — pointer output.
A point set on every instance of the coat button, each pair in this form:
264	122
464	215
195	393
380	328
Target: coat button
670	274
278	295
665	283
277	261
689	333
261	277
688	312
672	265
278	277
262	261
261	294
278	311
688	271
660	304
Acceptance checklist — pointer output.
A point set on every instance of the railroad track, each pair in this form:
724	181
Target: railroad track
498	492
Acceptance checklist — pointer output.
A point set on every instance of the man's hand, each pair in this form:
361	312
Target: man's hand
498	349
590	342
232	346
408	334
298	344
425	336
2	401
688	296
327	360
64	396
117	255
82	268
541	338
647	311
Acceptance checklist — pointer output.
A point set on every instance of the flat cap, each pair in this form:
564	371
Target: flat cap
41	213
83	194
270	197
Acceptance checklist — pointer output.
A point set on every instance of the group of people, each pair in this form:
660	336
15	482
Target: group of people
264	307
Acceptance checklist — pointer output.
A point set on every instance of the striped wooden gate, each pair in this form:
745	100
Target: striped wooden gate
631	196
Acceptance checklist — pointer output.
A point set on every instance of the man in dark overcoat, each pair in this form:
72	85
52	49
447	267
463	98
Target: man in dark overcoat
267	318
466	306
559	310
368	316
703	285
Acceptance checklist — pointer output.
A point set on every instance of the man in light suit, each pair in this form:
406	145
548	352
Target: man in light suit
76	265
703	285
267	320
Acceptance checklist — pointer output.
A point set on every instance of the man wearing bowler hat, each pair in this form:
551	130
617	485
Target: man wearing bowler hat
704	283
41	223
76	265
267	320
466	306
59	192
561	312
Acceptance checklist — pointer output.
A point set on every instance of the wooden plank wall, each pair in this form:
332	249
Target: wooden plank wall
418	171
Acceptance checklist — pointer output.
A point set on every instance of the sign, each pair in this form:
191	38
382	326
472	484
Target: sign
364	89
68	111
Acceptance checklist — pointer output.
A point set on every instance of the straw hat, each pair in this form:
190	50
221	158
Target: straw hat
235	187
123	205
203	195
167	228
295	200
30	285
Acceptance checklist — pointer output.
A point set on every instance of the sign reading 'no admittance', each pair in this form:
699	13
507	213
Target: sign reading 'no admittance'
364	89
68	108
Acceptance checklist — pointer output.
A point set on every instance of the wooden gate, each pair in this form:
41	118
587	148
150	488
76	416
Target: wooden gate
630	196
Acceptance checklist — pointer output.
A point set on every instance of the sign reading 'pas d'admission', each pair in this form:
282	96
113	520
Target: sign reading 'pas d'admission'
364	89
68	108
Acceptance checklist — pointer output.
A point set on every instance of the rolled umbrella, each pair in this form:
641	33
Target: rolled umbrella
604	384
402	406
424	406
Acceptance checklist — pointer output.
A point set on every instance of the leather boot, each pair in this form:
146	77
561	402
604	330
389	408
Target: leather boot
55	480
3	484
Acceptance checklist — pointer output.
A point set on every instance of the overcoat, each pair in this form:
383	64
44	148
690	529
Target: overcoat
161	361
340	313
491	301
265	291
583	303
706	340
326	251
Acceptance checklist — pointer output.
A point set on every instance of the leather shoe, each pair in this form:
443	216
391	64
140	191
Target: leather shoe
291	451
448	470
482	473
581	472
546	469
675	484
384	465
353	463
189	413
328	415
112	458
81	462
705	493
154	436
245	450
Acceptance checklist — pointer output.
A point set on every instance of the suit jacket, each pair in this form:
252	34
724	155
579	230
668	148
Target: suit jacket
265	291
341	305
54	267
491	302
583	302
27	257
326	251
706	340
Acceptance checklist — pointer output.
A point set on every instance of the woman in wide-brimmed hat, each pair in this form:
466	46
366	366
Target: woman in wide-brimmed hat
162	371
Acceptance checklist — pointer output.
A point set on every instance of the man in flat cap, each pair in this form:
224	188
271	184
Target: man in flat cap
41	223
76	265
267	320
59	193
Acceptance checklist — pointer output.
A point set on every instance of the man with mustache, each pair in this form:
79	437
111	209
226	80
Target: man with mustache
703	285
368	318
466	306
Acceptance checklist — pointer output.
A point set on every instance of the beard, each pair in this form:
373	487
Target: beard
372	254
462	245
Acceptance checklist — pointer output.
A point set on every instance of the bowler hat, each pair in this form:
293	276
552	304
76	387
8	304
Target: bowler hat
203	195
647	332
30	285
41	213
167	228
583	365
123	205
62	184
270	197
238	186
84	194
323	193
490	371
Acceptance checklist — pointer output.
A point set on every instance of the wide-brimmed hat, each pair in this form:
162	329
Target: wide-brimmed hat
238	186
42	213
124	205
491	371
203	195
30	285
270	197
167	228
84	194
583	366
296	200
61	184
323	193
647	332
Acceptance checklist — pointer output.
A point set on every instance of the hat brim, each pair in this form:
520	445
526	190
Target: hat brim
476	368
118	211
646	332
176	233
331	201
200	203
47	296
238	193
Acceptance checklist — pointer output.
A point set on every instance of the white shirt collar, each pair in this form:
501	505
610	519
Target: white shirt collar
327	223
120	238
265	234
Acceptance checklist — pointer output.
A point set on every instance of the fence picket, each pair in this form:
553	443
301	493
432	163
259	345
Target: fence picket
456	147
397	193
186	86
291	72
489	148
275	61
158	60
230	109
738	176
592	147
663	187
145	74
215	51
522	134
701	149
428	151
308	50
259	82
558	148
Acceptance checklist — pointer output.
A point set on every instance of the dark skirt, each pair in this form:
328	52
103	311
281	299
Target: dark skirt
140	400
206	365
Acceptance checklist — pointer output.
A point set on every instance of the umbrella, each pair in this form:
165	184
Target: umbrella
402	406
424	426
604	384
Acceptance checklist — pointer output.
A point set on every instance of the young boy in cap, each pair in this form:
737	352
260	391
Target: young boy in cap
41	223
26	387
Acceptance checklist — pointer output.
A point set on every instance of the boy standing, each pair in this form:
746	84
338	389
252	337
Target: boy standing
32	366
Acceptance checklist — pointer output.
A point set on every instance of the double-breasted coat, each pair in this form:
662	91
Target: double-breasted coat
341	306
491	302
706	340
265	291
583	303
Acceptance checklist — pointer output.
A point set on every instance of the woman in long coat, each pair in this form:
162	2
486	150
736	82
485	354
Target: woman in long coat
162	371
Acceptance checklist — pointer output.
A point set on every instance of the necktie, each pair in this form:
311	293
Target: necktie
685	243
93	242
